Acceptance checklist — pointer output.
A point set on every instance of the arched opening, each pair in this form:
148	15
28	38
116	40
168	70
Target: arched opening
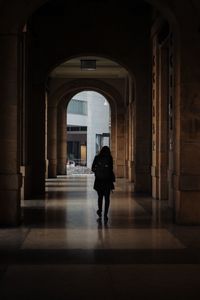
135	169
135	160
155	142
88	130
142	159
109	80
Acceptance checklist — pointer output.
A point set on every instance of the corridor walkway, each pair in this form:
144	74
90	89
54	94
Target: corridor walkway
60	251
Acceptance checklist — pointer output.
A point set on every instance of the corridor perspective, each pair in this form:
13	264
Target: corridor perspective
141	58
61	251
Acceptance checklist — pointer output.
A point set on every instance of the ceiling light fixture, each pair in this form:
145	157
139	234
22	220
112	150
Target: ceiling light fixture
88	64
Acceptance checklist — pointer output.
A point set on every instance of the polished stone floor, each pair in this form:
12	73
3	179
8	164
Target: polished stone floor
62	251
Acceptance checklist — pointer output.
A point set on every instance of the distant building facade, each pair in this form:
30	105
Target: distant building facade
88	126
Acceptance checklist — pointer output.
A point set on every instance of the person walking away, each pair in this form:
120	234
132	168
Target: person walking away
102	167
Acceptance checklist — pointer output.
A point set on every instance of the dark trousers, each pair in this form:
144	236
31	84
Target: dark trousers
106	195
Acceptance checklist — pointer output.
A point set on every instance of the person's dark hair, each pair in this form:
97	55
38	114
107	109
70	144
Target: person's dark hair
105	150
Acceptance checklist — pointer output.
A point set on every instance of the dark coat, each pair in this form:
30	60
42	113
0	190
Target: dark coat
104	185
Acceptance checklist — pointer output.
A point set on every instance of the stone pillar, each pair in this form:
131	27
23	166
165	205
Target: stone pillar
163	122
113	140
52	141
142	154
120	159
127	140
37	140
25	106
61	140
131	142
155	119
131	132
46	120
127	129
187	124
10	177
162	94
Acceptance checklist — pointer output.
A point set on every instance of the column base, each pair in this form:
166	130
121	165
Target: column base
52	169
61	168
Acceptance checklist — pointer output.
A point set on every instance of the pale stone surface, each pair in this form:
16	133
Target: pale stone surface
52	141
61	141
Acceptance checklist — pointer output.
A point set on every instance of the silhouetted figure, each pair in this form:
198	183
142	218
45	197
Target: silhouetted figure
102	166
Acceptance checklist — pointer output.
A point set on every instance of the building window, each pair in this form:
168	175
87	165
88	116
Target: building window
76	128
77	107
102	140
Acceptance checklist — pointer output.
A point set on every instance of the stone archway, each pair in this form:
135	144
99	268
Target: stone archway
186	175
58	102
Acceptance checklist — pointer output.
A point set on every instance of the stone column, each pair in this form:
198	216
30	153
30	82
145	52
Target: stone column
142	154
163	123
127	141
52	141
187	123
37	140
120	159
131	132
10	177
46	116
162	112
113	141
61	140
127	129
155	119
25	106
131	143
